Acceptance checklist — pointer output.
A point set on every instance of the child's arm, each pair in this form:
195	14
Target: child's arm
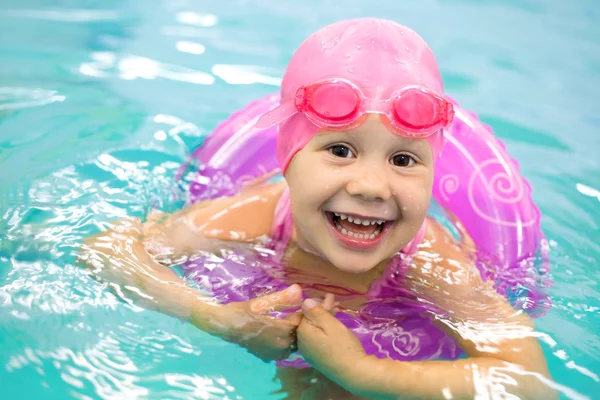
246	217
503	353
501	344
125	256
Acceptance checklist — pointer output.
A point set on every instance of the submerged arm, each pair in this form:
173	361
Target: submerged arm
503	354
119	258
134	258
244	218
504	358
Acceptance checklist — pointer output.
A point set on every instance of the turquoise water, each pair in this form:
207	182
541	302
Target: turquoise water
100	101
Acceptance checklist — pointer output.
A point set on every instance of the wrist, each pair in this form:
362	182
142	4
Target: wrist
209	316
366	376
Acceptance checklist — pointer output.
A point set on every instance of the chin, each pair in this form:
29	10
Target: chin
353	263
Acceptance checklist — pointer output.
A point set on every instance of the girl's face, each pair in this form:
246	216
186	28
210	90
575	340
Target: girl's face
359	196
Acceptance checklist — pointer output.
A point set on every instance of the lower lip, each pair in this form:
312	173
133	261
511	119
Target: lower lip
355	243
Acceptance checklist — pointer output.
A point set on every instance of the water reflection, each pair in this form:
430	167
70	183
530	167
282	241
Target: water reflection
190	47
196	19
132	67
14	98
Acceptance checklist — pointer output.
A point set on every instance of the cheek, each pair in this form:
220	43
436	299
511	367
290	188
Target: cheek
415	197
306	196
313	183
306	193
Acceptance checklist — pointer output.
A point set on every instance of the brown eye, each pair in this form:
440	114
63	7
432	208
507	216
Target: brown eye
402	160
341	151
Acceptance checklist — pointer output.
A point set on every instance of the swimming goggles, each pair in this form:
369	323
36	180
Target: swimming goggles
338	104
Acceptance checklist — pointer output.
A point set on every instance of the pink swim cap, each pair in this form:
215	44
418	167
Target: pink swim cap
378	56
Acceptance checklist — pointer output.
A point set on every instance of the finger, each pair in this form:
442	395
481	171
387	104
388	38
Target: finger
316	314
127	225
122	231
294	318
329	302
155	216
154	224
282	300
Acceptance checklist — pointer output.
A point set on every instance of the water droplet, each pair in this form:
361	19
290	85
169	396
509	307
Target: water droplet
407	49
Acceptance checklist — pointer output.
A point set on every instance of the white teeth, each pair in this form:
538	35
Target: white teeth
357	235
358	221
365	222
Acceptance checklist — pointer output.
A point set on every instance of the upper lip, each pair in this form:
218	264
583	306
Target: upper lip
362	217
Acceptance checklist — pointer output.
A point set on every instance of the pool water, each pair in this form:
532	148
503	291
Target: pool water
101	101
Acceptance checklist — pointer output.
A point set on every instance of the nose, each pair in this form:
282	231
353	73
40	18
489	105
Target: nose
370	185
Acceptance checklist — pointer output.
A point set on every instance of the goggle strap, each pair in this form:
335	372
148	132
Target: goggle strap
277	115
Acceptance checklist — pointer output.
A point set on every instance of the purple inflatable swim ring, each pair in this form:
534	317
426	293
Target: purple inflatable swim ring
475	179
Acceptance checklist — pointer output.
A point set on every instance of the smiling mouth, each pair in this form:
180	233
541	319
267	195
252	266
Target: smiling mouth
358	229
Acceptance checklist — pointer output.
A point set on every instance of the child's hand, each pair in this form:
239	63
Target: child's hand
118	258
266	337
326	343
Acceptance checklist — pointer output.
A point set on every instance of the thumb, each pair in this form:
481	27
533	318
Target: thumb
290	297
316	313
155	216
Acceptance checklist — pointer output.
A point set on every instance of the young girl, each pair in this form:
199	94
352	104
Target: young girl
360	127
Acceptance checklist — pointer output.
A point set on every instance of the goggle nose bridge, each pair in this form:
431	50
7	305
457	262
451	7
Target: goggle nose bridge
375	106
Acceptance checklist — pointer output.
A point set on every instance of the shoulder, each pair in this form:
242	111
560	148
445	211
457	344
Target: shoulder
243	217
440	241
444	271
440	256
